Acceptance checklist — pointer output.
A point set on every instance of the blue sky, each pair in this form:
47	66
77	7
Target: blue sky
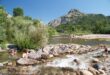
47	10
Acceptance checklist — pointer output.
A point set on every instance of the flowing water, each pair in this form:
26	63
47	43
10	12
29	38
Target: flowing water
65	61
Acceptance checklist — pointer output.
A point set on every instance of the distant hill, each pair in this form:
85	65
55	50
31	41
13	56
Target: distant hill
76	21
72	16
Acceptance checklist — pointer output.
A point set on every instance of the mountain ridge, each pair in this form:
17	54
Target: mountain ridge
77	22
71	16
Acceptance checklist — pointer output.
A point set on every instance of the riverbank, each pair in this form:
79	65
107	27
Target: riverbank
52	52
59	65
93	36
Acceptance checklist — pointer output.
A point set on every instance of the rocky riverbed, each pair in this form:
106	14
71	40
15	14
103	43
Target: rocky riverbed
51	51
57	60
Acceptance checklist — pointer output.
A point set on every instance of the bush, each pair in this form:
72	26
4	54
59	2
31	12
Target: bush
3	45
52	31
32	38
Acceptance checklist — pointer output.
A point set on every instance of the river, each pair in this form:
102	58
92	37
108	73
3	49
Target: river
55	66
66	40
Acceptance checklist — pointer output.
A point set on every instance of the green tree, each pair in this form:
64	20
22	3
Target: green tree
3	17
18	11
52	31
28	18
9	29
36	22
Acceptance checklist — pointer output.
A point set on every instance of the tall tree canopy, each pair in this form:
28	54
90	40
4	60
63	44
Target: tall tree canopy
18	11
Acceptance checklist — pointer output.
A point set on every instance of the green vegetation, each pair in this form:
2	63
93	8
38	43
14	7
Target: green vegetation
91	23
52	31
26	32
18	12
22	31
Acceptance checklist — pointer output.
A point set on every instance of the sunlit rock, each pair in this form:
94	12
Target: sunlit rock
24	61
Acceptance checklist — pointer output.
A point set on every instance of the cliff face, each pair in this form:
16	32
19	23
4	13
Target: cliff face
72	16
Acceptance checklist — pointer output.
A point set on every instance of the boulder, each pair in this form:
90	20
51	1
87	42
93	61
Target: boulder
102	72
9	63
50	56
85	72
93	71
23	70
33	55
24	61
1	65
44	56
95	60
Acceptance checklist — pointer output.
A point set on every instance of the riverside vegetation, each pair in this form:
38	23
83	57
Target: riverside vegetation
22	30
77	22
26	32
29	33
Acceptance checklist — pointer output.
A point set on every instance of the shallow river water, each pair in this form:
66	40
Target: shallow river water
91	42
61	62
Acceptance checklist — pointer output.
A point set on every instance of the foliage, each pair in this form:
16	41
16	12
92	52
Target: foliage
52	31
26	32
28	18
22	40
18	11
29	35
3	45
93	23
39	36
3	16
21	30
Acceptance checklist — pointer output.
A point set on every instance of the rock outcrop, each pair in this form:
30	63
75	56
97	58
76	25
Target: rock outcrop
72	16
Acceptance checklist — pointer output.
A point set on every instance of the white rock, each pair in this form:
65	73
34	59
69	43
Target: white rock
1	65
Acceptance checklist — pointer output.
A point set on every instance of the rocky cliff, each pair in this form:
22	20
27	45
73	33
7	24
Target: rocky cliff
72	16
